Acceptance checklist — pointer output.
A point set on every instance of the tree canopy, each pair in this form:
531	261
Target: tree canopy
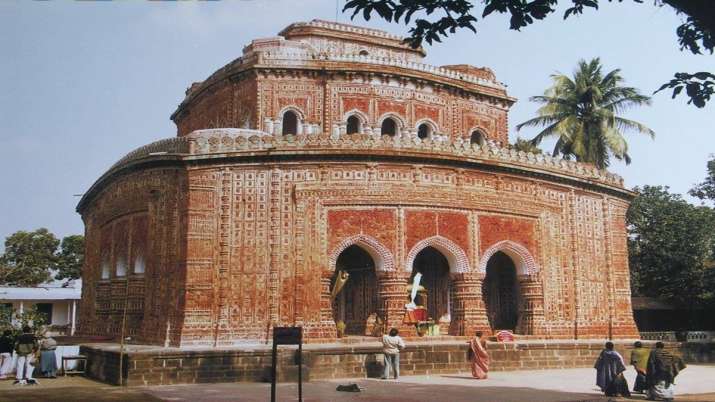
706	189
439	18
582	112
671	247
30	256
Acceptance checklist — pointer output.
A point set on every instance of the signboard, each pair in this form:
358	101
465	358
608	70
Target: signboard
287	336
505	336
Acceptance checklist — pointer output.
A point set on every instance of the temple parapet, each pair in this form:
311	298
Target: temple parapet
231	141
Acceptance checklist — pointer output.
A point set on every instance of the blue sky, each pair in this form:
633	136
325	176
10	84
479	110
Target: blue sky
83	83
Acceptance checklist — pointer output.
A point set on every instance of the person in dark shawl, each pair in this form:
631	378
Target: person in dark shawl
639	360
663	367
609	372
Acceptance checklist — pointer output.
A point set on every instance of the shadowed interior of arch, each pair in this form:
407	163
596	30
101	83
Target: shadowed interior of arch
353	126
357	300
434	267
290	122
389	127
500	292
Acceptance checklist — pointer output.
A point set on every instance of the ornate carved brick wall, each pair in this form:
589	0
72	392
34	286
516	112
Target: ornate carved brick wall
217	235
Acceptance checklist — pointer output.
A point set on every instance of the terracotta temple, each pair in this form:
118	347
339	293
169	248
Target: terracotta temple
330	152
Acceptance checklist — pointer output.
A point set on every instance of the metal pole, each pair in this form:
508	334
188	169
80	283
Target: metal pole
300	371
124	324
273	372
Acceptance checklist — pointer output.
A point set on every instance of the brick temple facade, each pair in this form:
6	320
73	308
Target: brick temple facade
334	148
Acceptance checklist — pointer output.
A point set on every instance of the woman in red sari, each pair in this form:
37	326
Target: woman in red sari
480	358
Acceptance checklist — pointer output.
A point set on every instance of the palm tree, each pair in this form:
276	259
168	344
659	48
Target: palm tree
582	113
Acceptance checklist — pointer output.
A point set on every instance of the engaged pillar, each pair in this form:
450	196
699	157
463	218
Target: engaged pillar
531	308
468	313
393	296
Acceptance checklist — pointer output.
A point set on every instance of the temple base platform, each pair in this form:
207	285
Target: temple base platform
350	358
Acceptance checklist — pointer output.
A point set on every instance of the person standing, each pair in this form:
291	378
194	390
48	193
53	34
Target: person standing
609	372
639	360
479	356
48	360
663	367
7	344
26	348
391	346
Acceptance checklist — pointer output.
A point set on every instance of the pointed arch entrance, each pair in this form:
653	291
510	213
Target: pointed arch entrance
358	297
436	281
500	292
512	291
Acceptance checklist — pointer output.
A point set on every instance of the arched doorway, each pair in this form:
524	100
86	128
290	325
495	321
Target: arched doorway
357	299
434	267
500	292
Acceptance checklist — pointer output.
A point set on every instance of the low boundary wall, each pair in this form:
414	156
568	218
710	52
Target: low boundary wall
149	365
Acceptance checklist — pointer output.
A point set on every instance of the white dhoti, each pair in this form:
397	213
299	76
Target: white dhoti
661	391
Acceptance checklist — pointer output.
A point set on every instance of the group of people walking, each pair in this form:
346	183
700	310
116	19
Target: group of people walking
655	371
28	350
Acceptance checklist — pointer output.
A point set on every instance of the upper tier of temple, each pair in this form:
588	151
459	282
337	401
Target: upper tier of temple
325	72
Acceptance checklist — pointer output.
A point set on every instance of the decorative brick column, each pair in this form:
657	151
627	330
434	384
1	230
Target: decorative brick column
468	313
325	329
392	293
531	306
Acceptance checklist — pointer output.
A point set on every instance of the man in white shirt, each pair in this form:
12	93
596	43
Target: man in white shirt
391	346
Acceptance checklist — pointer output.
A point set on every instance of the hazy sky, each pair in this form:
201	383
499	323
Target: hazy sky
83	83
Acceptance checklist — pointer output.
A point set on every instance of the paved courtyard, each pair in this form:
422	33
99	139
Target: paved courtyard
694	384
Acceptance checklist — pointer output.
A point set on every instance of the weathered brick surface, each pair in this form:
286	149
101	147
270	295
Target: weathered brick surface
215	236
180	367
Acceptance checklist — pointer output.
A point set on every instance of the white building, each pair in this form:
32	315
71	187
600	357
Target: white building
57	299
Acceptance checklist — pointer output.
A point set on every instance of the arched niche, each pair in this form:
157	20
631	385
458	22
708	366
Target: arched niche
457	258
523	260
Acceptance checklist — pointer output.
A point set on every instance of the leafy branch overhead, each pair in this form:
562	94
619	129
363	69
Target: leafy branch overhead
439	18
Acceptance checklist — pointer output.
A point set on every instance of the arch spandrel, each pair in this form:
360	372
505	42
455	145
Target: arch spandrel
456	257
381	255
524	261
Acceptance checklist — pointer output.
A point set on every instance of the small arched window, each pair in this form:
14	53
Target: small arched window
389	127
363	53
424	131
121	266
139	264
477	138
353	125
105	267
290	122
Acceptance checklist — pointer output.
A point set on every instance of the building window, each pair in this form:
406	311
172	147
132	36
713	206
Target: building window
424	131
46	310
353	125
389	127
121	266
363	53
290	122
105	267
139	264
477	138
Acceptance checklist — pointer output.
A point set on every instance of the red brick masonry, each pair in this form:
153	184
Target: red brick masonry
156	366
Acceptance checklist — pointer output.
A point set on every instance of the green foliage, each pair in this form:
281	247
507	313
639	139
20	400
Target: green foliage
706	189
28	257
671	247
694	34
14	321
70	258
526	146
582	112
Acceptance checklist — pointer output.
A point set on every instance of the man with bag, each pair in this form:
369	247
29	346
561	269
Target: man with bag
26	348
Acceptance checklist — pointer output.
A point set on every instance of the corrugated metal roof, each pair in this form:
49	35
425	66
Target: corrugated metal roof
45	292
